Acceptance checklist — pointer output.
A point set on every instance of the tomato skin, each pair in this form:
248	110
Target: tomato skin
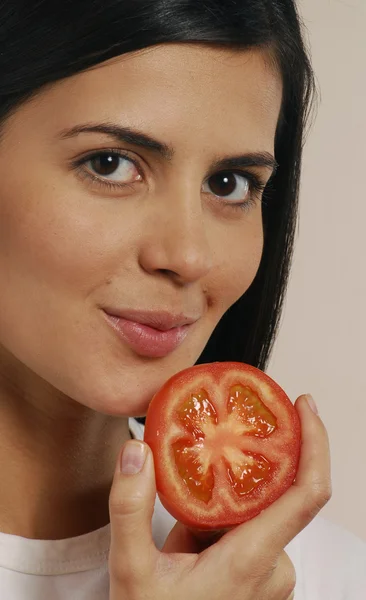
278	446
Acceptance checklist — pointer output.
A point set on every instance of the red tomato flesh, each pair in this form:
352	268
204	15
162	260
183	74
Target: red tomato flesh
226	444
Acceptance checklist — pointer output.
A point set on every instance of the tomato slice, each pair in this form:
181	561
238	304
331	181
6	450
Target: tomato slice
226	443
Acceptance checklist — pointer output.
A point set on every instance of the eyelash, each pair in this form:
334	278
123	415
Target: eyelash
256	185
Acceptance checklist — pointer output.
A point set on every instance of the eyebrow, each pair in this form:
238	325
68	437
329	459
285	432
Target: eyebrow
137	138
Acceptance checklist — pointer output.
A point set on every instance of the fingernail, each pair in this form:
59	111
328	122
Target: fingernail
133	458
312	404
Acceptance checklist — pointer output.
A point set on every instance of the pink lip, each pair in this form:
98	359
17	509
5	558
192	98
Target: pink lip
162	320
146	340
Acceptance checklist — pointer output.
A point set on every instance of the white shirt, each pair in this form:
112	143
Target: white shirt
330	562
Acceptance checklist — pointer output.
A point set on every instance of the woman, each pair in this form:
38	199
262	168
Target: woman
150	163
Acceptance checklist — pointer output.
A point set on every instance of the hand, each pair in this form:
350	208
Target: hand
246	563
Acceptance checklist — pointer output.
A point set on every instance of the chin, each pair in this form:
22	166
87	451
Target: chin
126	394
112	380
125	402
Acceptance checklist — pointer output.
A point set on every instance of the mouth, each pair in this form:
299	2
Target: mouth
153	335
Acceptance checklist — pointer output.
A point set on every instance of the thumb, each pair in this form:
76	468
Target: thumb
131	507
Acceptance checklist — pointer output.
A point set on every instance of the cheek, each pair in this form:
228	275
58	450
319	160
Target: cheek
239	264
43	238
53	253
56	240
57	249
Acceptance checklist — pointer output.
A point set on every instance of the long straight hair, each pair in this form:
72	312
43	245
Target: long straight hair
42	41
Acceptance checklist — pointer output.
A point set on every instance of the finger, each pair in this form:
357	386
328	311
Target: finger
131	506
278	524
283	581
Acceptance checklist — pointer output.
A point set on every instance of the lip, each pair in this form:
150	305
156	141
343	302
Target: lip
150	334
162	320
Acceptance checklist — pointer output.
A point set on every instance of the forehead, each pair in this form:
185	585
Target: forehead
188	89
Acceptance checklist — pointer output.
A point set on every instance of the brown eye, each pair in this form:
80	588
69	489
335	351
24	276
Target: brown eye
113	167
226	184
105	164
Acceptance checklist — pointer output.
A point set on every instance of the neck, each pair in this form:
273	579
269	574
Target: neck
57	462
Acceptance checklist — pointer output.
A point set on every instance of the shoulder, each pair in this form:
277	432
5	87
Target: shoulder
323	535
330	561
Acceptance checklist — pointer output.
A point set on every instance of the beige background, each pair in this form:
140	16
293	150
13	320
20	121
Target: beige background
321	345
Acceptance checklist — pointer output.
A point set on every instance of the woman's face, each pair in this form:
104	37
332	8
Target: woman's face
93	222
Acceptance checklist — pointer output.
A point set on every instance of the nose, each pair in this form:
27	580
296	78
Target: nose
175	240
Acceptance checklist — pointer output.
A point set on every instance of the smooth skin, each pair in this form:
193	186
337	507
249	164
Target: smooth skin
71	245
